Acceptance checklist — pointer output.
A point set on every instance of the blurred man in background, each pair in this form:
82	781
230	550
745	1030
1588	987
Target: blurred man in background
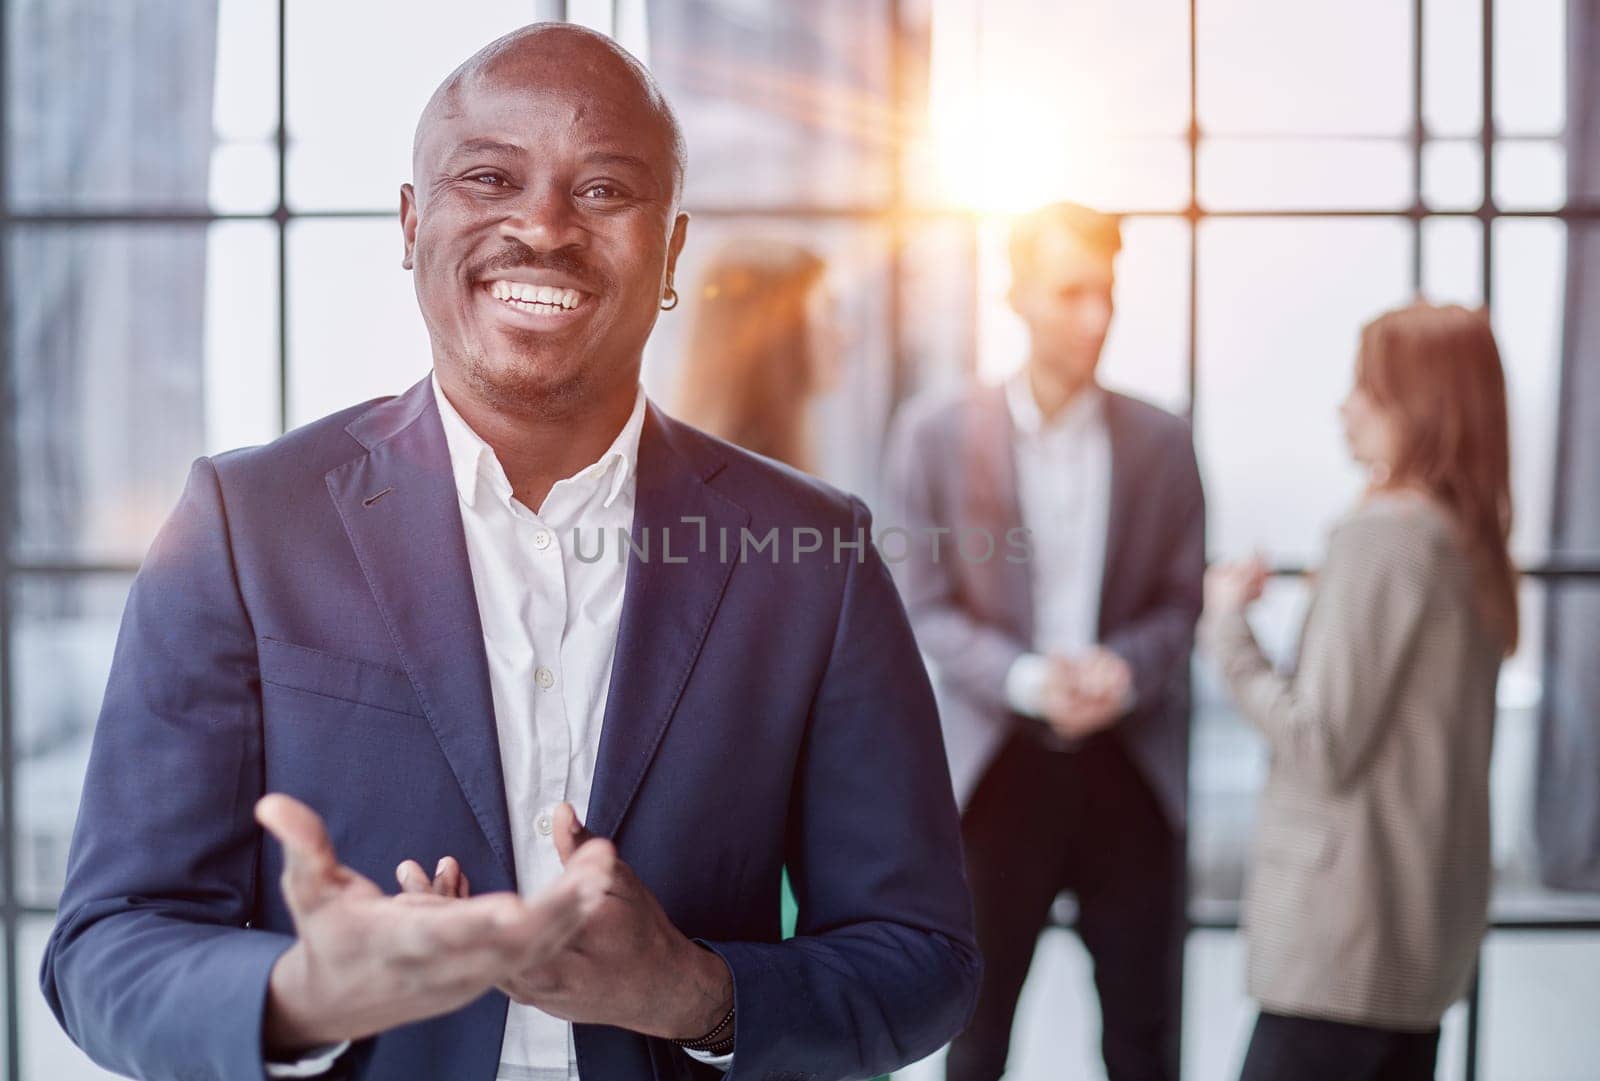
1064	675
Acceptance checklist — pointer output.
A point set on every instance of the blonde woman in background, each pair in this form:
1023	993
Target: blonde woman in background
761	346
1369	892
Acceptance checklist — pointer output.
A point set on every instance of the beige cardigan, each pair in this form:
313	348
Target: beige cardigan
1369	891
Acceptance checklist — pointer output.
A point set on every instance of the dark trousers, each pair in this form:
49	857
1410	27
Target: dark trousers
1043	821
1305	1049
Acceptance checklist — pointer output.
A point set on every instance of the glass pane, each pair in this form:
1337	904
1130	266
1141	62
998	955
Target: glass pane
1452	66
1530	67
1281	305
1218	1014
1114	65
1565	799
1513	774
1303	174
1539	995
1452	1063
244	159
1272	68
595	14
1030	103
241	335
138	134
847	422
63	636
46	1050
1002	336
1529	261
167	352
344	346
246	106
938	298
996	170
781	104
1228	760
1546	698
1147	351
1452	174
1452	261
1056	1031
1578	515
350	123
1530	175
244	177
630	24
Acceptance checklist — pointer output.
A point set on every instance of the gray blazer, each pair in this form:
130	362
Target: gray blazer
1369	887
950	465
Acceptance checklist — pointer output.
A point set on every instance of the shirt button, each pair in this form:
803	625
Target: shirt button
544	824
544	677
541	539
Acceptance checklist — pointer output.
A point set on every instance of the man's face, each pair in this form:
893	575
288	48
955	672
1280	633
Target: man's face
1065	299
541	231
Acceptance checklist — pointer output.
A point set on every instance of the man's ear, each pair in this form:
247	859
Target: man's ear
408	221
680	232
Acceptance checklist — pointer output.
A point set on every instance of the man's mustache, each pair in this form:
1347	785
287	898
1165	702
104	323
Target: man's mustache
566	261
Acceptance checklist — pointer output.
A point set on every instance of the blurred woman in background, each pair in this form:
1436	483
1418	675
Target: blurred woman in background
761	346
1369	891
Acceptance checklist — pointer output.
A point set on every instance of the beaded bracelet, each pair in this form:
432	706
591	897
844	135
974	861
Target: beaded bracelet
713	1042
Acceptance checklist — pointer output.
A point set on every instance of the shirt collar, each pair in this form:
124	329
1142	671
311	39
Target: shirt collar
1083	410
471	458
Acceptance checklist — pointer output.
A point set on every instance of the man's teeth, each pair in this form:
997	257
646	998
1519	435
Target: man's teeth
534	297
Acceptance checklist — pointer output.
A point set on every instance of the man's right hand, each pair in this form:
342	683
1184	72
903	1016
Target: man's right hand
364	962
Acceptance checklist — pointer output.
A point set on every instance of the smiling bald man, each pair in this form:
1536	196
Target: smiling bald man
383	648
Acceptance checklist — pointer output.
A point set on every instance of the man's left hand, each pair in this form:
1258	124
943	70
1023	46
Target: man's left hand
629	966
1092	694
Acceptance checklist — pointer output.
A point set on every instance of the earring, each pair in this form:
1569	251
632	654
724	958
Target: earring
672	299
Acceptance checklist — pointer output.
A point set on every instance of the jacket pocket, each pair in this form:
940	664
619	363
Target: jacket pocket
329	675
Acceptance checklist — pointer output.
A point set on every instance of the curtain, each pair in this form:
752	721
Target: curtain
1567	804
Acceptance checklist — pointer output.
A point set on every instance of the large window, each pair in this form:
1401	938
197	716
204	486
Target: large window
201	249
1288	172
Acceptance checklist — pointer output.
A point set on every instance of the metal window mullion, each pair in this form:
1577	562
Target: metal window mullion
1193	215
281	216
1418	138
8	518
1486	217
901	378
1580	211
1488	212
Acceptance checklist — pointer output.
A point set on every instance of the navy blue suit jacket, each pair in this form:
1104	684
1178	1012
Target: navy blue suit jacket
292	630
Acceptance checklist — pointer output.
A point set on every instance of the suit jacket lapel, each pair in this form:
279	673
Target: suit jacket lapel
1124	470
992	501
399	506
667	609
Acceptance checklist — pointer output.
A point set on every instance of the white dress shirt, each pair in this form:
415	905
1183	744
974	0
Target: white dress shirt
550	623
1063	469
